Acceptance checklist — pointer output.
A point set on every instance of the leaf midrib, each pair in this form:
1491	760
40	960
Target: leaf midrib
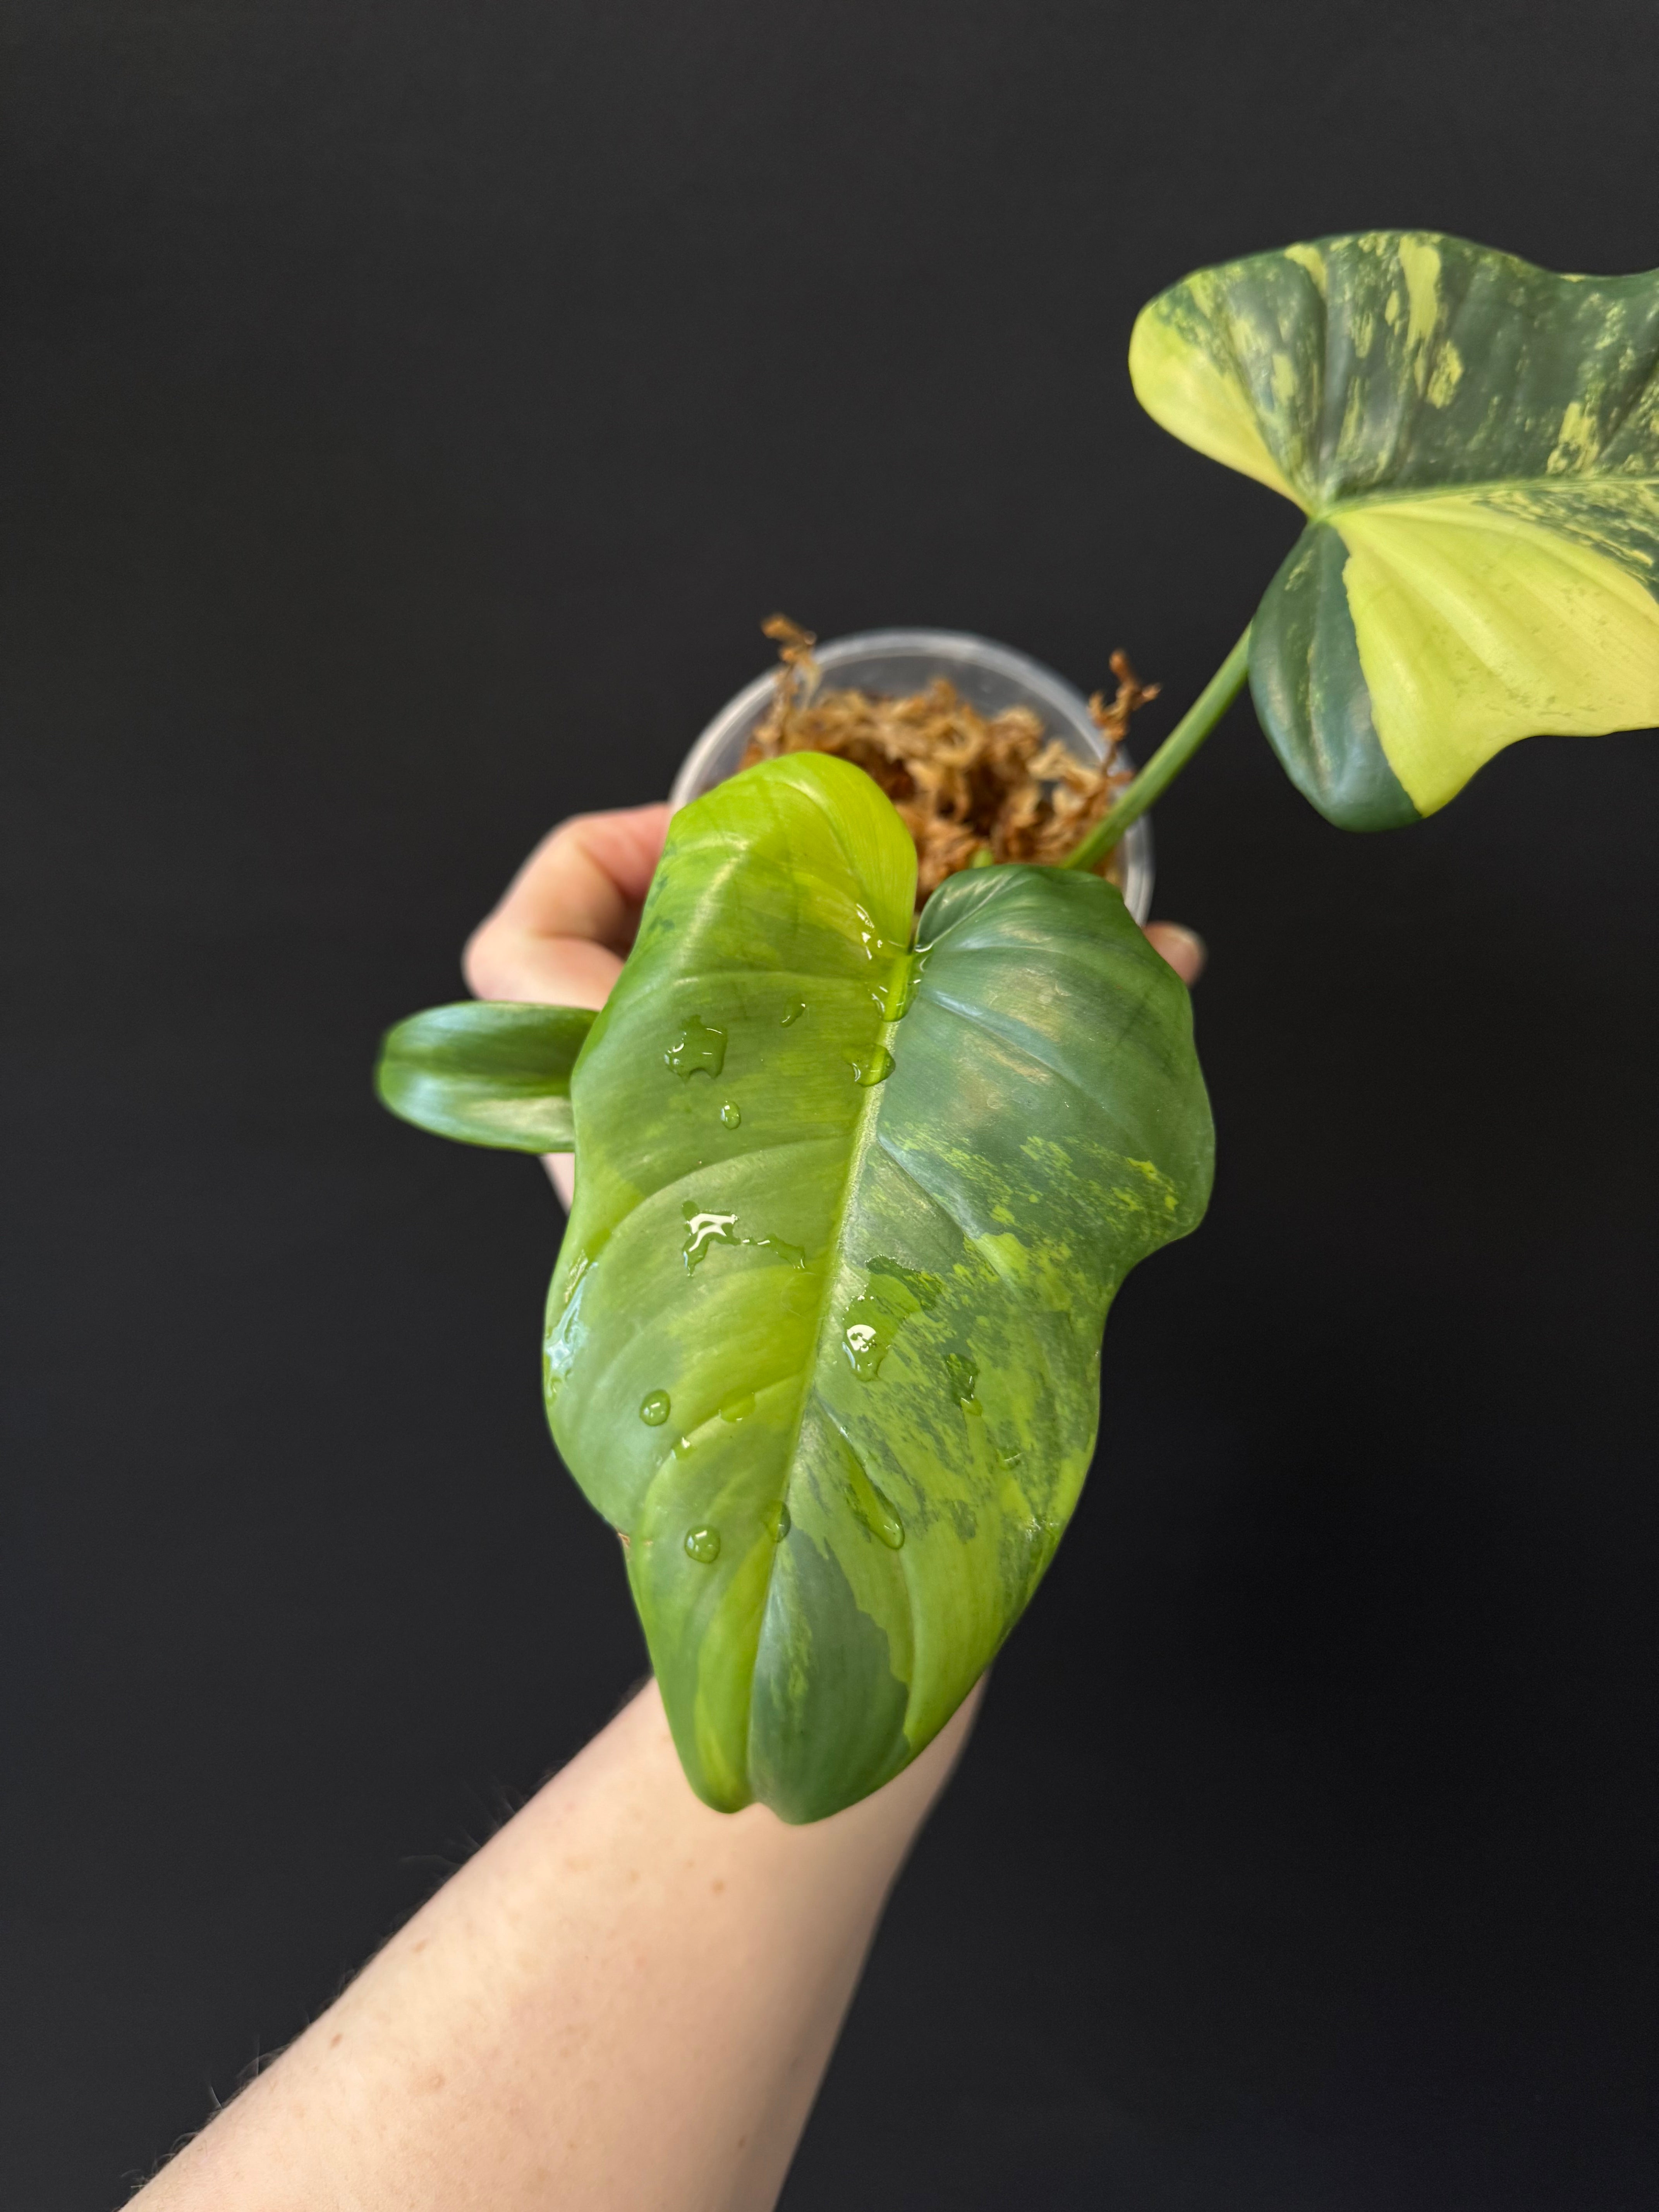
864	1138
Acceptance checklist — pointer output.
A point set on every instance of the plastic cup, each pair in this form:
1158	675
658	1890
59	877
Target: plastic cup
897	662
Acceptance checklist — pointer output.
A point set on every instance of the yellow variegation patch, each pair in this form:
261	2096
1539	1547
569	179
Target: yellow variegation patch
1479	624
1207	398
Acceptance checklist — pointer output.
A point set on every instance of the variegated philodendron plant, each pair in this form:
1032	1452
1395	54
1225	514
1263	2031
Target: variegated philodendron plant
853	1197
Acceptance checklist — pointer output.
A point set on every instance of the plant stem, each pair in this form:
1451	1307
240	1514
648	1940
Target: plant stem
1171	756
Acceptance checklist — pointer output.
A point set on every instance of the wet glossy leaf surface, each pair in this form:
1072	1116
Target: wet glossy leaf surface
829	1361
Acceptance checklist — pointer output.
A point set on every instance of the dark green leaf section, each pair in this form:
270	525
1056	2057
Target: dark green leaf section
1476	444
824	1342
1310	691
486	1073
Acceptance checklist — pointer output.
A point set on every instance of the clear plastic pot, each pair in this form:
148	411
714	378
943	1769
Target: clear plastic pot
898	661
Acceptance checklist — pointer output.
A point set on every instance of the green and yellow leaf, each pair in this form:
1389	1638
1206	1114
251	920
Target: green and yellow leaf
1475	443
824	1341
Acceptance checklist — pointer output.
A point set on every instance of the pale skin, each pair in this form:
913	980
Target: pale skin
625	2001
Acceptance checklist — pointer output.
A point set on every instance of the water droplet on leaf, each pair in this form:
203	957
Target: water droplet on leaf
792	1255
886	1523
777	1521
731	1114
900	1283
737	1405
697	1050
794	1011
875	1511
866	1073
704	1227
963	1376
892	1294
654	1408
869	936
577	1276
868	1505
865	1348
894	998
703	1545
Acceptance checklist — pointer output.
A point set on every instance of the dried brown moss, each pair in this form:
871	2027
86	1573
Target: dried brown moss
968	787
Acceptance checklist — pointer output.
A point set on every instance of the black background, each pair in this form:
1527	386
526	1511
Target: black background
411	411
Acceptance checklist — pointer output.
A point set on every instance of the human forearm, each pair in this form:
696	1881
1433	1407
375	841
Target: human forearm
624	2000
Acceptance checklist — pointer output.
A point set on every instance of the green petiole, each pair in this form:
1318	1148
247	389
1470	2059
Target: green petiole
1171	756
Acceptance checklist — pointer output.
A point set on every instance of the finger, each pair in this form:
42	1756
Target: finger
1184	949
568	916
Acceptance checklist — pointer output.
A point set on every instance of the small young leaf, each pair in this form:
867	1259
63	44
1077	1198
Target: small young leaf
486	1073
1475	443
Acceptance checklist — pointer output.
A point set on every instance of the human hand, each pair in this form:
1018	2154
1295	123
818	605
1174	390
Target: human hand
563	926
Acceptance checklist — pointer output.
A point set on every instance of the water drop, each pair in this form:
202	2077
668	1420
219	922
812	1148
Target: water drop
963	1376
792	1255
894	998
731	1114
682	1446
737	1405
794	1011
886	1523
864	1347
868	1505
875	1511
866	1073
697	1050
892	1294
703	1545
704	1227
654	1408
777	1521
869	936
1008	1456
900	1283
578	1274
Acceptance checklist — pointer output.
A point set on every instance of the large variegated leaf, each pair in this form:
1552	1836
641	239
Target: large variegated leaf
1475	443
823	1343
